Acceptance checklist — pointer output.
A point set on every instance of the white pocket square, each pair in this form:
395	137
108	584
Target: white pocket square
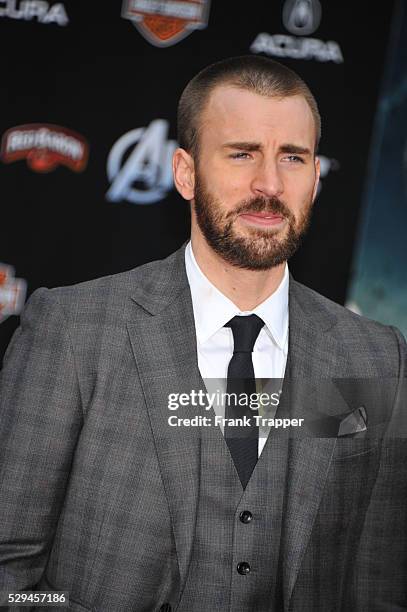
353	423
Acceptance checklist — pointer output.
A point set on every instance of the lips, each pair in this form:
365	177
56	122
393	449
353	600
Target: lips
262	218
264	215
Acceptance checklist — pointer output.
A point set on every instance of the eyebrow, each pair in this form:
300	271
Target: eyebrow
256	146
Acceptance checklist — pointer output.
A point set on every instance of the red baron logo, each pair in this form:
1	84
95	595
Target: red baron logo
166	22
45	147
12	292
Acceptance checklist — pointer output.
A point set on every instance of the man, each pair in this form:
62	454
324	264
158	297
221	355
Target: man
103	498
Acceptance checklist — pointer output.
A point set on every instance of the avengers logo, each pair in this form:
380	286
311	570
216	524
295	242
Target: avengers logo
139	165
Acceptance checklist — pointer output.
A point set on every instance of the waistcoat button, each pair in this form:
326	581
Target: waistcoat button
246	516
243	568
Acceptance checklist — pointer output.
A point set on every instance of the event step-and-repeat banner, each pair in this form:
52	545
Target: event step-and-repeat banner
89	94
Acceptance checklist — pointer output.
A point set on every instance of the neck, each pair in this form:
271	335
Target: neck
245	288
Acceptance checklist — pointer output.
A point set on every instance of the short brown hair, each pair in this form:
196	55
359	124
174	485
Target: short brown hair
258	74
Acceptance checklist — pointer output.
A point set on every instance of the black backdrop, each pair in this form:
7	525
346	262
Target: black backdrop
100	77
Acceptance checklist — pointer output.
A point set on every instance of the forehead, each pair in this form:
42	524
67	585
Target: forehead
236	114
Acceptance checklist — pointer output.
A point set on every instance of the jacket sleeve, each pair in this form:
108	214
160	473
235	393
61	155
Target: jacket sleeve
40	419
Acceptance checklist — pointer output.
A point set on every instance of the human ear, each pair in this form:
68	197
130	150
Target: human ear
183	169
317	175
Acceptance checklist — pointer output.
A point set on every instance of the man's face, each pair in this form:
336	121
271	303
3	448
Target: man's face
256	176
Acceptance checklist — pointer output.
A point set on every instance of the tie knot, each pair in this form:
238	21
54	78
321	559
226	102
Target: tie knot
245	330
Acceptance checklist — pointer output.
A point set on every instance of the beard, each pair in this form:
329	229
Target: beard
261	249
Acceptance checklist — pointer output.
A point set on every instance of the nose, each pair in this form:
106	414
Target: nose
267	181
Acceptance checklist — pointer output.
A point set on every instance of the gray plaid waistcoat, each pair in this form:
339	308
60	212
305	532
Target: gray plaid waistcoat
222	540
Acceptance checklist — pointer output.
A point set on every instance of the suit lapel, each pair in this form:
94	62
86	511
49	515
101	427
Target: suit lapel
314	357
164	345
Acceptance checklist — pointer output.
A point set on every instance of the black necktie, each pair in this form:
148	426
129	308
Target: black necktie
242	440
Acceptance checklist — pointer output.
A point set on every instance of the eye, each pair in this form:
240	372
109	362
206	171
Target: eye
295	158
239	155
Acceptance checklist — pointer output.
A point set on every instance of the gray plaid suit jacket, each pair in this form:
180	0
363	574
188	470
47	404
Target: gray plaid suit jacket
97	499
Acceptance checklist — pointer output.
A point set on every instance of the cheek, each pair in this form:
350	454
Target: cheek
235	187
300	189
228	192
229	186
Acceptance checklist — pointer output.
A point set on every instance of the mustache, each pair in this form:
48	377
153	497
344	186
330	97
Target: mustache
258	205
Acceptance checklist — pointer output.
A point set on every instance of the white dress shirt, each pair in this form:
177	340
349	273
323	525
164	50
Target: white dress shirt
212	310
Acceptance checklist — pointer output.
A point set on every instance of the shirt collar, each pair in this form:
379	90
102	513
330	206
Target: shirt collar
212	309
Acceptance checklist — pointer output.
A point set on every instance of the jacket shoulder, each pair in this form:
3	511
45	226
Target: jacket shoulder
350	328
113	292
